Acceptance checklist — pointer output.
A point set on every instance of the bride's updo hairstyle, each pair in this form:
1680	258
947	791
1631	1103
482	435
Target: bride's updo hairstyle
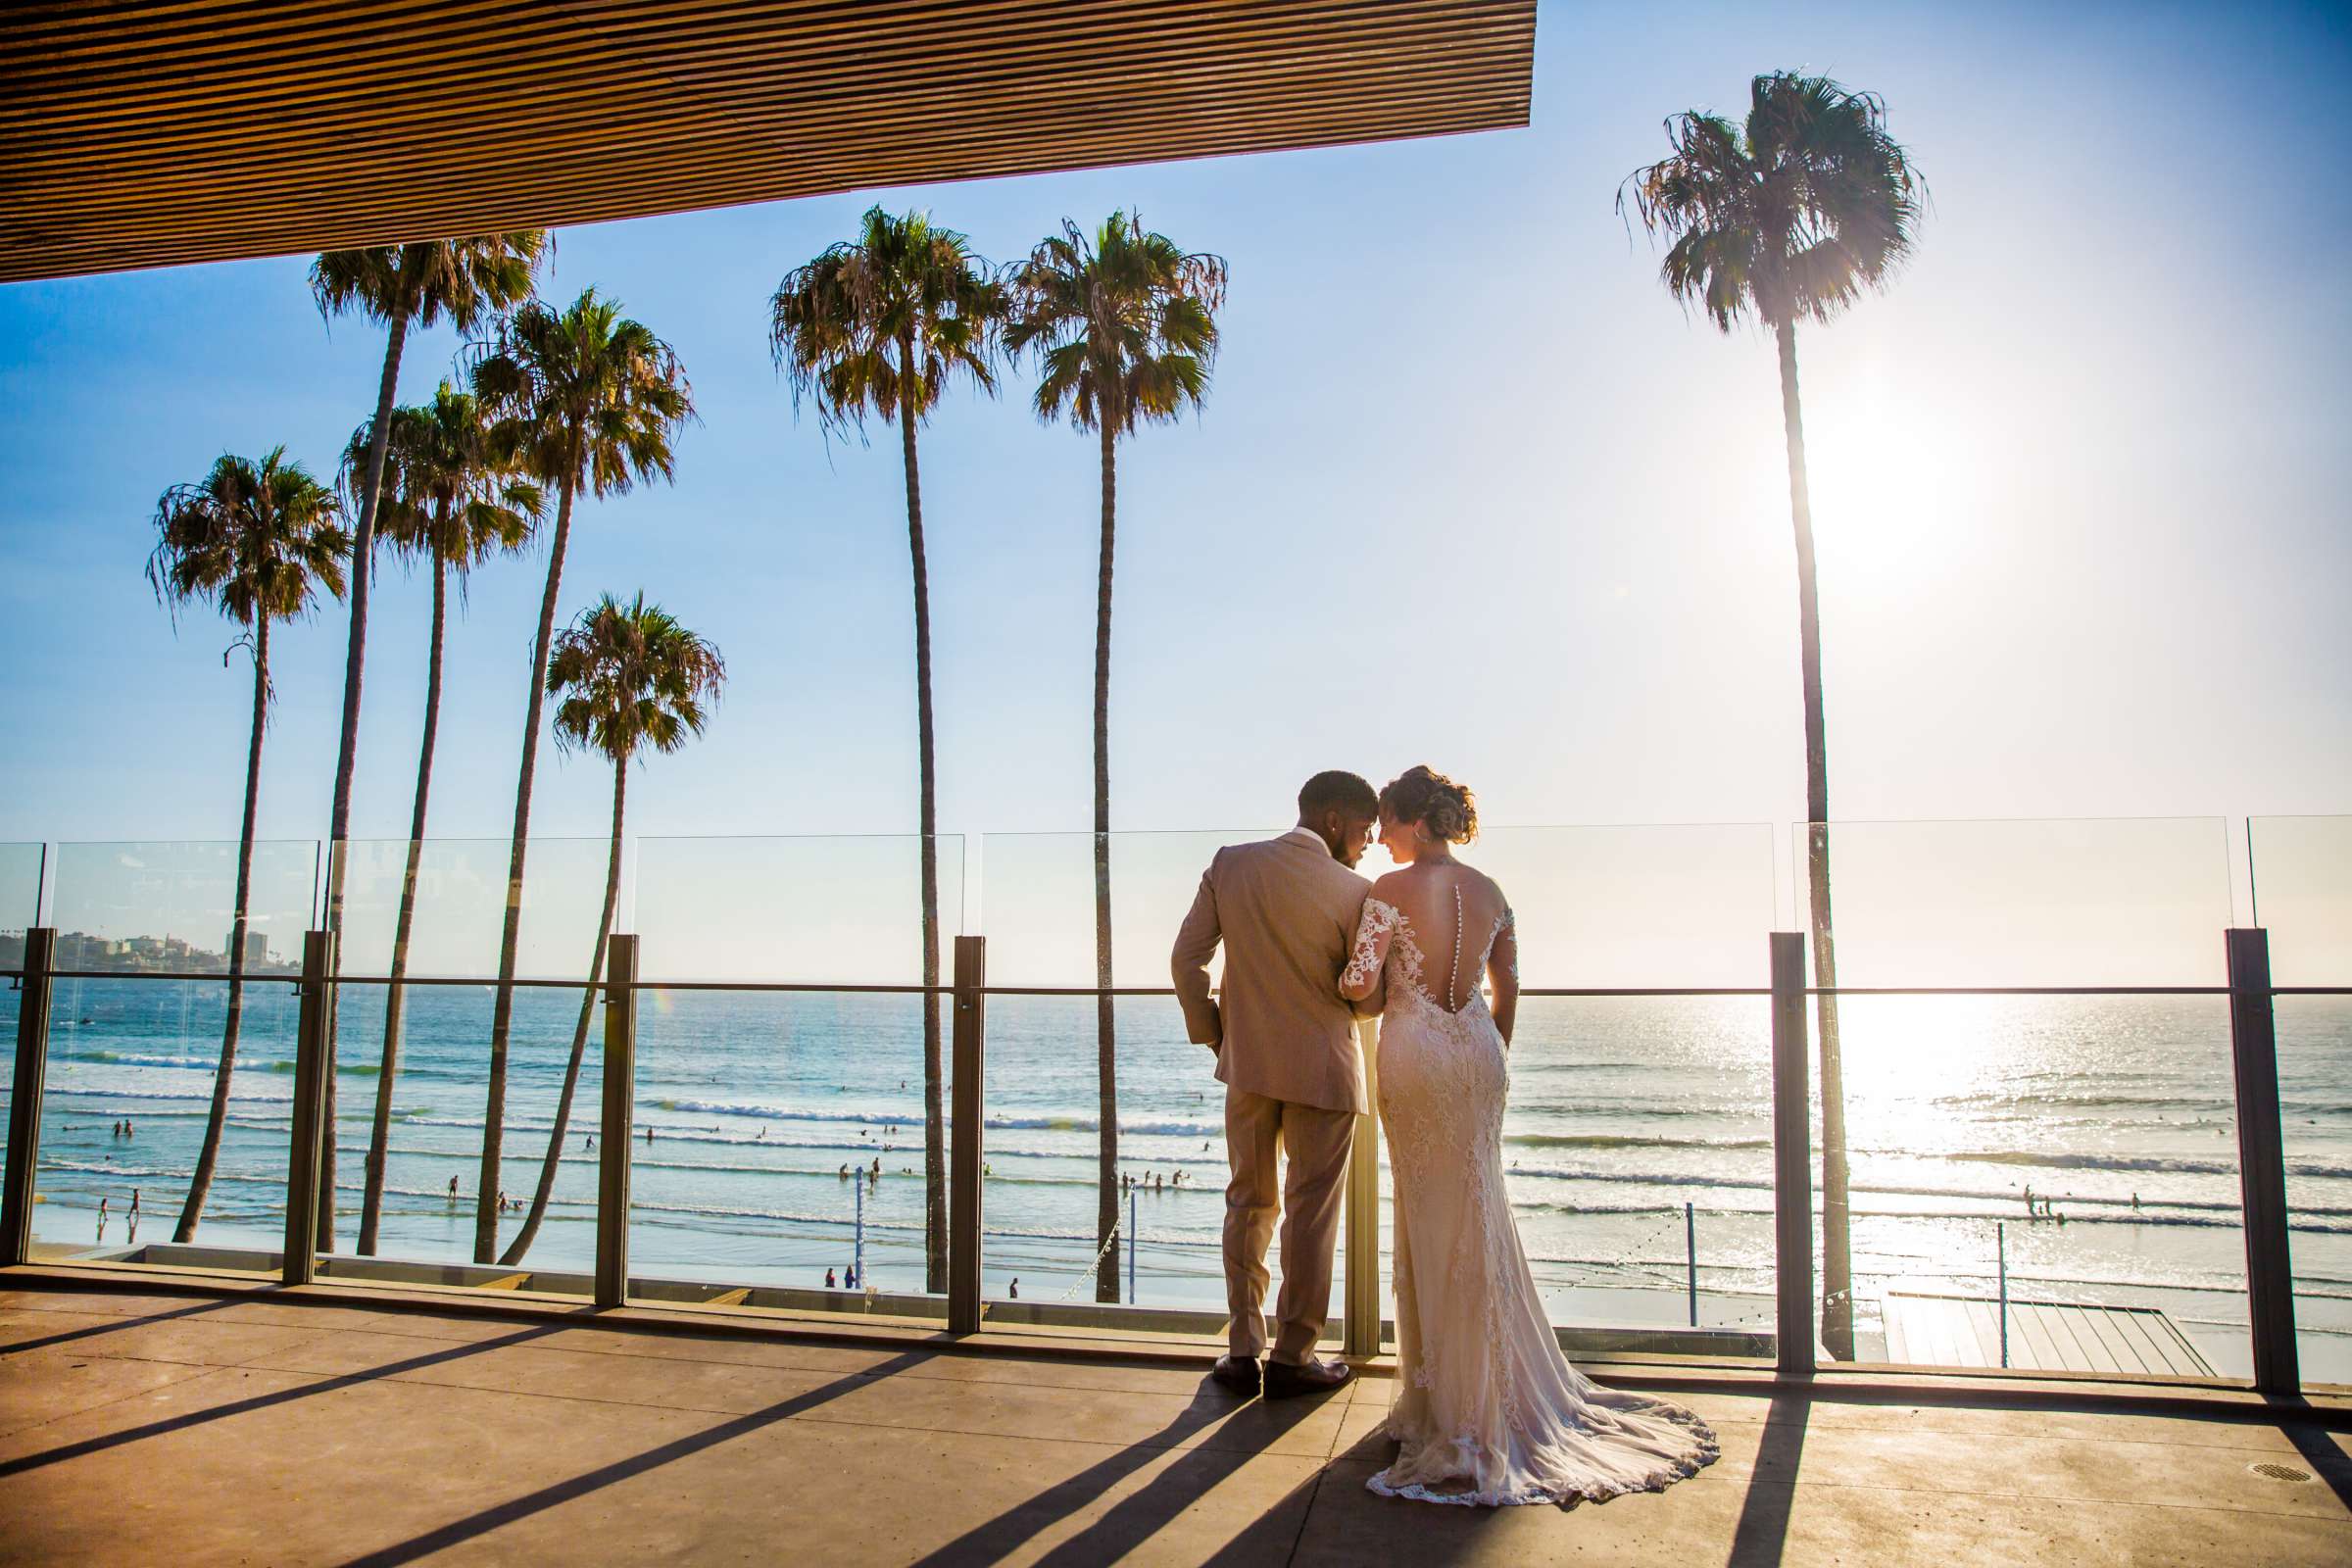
1419	795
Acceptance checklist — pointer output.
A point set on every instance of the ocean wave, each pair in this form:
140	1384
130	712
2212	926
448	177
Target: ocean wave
151	1093
1075	1124
1627	1141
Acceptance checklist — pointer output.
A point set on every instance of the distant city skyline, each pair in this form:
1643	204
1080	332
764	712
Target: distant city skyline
1469	488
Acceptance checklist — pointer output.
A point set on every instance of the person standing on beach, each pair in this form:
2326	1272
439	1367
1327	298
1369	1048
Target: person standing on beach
452	1189
1285	910
829	1285
1014	1288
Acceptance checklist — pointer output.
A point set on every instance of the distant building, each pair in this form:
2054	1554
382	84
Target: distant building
257	947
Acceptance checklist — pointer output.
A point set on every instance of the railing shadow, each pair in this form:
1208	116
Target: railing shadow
2326	1460
1761	1536
262	1401
129	1321
1136	1519
494	1517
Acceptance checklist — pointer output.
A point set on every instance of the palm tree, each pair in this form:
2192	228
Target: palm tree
630	678
1789	218
878	325
451	497
587	397
399	285
257	542
1124	326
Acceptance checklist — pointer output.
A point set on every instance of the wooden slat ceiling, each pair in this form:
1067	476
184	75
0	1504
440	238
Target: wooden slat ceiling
152	134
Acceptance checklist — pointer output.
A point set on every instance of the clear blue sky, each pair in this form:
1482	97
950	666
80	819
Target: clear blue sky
1469	488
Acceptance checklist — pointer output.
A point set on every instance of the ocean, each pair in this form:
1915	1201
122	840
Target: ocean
1623	1110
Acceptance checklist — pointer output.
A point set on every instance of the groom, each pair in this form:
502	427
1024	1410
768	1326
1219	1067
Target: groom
1285	910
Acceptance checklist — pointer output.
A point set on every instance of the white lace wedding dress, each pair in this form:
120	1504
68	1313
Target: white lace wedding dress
1489	1410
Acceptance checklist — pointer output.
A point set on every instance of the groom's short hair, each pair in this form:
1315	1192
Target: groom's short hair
1336	791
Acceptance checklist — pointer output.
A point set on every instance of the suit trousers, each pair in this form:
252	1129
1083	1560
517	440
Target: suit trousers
1317	1142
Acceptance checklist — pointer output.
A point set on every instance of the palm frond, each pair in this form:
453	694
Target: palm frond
1789	216
1122	324
629	678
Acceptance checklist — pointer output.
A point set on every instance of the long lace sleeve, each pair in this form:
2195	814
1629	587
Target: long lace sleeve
1502	971
1373	929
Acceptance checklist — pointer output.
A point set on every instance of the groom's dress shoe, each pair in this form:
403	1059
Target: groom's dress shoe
1237	1372
1285	1380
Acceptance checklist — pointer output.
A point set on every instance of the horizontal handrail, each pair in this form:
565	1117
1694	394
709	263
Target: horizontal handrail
916	990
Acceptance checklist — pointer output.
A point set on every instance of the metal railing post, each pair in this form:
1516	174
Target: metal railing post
619	1113
2262	1162
964	1132
1691	1256
312	1029
1360	1329
24	1102
1791	1154
2000	1243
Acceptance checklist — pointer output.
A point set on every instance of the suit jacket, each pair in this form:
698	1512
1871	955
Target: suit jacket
1285	912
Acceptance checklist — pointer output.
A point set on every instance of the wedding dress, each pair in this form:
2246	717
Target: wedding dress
1487	1410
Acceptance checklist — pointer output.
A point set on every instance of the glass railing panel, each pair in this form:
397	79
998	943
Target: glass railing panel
817	910
1622	1111
134	1061
142	907
780	1132
2302	891
128	1110
433	911
20	868
2122	901
2302	887
456	890
2074	1155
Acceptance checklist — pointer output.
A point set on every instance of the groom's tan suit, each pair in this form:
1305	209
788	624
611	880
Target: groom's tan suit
1286	911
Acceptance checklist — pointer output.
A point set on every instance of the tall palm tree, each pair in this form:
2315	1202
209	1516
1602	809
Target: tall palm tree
399	285
450	496
257	542
1789	218
630	679
588	398
878	325
1124	326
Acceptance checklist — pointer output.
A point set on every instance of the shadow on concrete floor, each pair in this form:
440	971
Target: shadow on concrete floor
130	1321
262	1401
463	1530
1763	1532
1136	1519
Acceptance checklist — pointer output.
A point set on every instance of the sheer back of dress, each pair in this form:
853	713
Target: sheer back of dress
1451	923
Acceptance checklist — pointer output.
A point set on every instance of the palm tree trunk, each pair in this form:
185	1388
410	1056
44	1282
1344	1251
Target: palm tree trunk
200	1183
338	831
1836	1238
1106	1063
501	1012
935	1154
379	1139
579	1035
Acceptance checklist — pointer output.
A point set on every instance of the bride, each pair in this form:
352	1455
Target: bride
1489	1412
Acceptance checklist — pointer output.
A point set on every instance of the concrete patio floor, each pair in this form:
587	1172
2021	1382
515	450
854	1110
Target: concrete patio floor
273	1426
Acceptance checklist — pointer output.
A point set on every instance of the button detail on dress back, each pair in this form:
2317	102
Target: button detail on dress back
1454	973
